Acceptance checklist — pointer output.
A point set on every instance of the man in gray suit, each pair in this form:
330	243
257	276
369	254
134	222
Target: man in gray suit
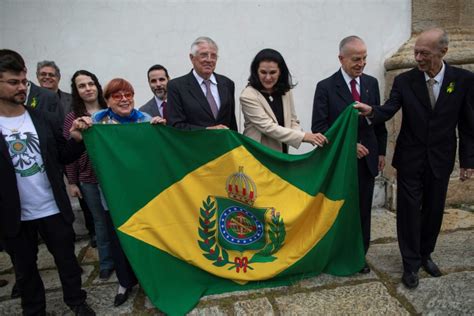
49	75
158	81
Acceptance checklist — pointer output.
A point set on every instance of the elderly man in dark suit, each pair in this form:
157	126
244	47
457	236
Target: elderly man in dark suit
32	192
158	81
202	98
49	75
434	98
332	96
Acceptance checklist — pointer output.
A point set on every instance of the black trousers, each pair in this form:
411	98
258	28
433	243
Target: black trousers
125	275
420	205
23	249
366	192
89	221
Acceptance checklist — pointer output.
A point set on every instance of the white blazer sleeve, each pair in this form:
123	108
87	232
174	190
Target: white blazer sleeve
257	114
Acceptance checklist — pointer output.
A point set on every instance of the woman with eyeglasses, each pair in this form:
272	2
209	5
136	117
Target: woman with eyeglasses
87	99
268	107
119	95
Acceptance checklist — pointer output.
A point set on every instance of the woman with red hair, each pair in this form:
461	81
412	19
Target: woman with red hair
118	94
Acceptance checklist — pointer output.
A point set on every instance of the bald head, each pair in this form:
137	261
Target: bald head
430	48
352	55
437	36
348	42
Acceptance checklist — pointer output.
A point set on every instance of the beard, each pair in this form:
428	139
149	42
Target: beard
160	94
17	99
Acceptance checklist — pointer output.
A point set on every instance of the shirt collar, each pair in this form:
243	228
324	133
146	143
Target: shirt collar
28	89
201	79
158	101
439	77
348	78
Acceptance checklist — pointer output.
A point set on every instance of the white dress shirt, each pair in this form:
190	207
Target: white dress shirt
214	91
159	104
438	81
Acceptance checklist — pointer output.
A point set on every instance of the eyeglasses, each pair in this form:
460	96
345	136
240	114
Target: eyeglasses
210	56
14	83
117	96
47	74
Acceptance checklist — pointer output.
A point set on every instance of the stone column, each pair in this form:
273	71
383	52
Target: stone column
456	17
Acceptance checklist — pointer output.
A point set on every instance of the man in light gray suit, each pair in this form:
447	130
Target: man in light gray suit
49	75
158	80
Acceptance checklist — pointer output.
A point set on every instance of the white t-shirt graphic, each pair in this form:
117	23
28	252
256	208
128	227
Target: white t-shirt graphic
36	195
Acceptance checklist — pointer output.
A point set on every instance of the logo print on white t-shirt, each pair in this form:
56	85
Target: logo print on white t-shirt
24	150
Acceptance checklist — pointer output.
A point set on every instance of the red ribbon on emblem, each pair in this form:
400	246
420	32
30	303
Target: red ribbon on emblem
241	264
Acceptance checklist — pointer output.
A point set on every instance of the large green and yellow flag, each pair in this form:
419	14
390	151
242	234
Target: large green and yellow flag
206	212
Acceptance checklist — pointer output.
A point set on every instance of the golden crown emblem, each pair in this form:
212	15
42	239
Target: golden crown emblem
240	187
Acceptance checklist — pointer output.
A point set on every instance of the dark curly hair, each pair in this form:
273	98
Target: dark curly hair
77	105
284	83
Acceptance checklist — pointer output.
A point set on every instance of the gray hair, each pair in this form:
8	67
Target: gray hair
347	40
443	38
202	40
48	63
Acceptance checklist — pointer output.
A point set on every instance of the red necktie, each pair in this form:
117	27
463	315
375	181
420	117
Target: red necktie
355	94
163	109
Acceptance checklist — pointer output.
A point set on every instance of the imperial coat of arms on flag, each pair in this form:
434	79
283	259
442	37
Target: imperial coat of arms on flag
235	234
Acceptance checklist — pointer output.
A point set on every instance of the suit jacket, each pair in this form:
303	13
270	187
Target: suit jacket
151	108
55	151
45	100
65	100
429	135
332	96
188	107
262	125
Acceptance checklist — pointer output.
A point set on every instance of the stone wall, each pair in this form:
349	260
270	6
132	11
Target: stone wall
456	17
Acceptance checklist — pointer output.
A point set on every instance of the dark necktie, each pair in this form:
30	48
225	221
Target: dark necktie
430	83
163	110
210	98
355	94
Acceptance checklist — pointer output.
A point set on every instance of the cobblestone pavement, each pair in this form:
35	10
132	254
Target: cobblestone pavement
379	292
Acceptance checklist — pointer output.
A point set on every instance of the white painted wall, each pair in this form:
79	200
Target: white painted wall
123	38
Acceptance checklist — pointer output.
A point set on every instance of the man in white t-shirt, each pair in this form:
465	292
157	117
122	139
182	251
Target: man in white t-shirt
33	198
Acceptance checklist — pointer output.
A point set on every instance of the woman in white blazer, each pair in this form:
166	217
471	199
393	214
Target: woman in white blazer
268	107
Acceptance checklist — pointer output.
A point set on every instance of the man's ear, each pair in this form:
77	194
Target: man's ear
443	51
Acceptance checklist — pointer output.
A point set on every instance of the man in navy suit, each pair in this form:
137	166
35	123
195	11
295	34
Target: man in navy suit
202	98
332	96
158	81
435	98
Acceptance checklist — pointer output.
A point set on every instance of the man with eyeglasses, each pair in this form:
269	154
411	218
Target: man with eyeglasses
49	75
202	99
38	97
32	192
